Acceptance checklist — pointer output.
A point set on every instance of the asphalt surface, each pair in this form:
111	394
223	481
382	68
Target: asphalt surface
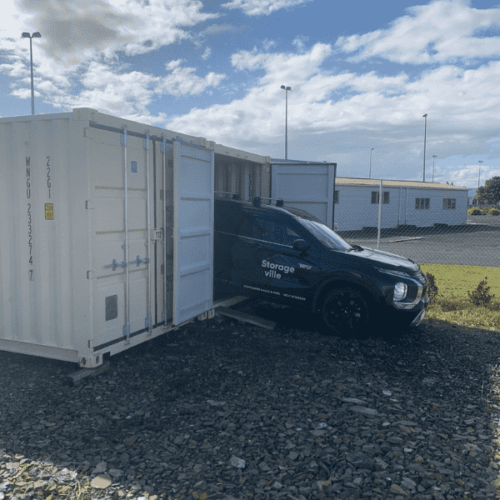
474	244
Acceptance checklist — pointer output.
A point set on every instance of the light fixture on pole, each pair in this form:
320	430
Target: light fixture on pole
34	35
425	140
286	89
433	156
479	178
370	175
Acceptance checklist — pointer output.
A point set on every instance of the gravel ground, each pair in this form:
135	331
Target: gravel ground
223	410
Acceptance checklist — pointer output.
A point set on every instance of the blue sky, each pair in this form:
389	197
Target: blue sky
362	75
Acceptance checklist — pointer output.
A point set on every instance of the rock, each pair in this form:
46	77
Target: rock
237	462
408	484
370	412
354	400
398	490
101	482
115	473
429	382
100	467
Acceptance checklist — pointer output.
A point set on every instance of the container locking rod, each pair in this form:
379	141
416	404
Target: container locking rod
138	260
115	264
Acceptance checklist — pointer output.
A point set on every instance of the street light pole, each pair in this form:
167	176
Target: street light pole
286	89
479	178
34	35
370	175
433	156
425	140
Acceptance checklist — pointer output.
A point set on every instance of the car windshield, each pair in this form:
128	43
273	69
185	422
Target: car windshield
324	234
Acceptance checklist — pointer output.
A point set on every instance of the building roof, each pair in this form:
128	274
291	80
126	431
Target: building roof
354	181
362	181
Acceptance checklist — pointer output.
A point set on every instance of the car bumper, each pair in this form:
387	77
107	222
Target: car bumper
418	319
405	318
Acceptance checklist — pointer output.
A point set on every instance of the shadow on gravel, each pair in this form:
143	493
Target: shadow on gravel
168	415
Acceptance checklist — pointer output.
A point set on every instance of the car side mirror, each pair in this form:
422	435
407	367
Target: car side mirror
301	245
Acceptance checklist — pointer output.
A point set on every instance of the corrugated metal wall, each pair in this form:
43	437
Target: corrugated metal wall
38	261
62	200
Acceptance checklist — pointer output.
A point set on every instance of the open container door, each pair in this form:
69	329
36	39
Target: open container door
193	230
307	186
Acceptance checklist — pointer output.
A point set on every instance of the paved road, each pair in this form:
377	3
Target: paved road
474	244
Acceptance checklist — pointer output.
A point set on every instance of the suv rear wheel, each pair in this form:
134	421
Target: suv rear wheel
346	312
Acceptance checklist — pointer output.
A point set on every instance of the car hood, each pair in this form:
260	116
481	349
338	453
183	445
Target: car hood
389	259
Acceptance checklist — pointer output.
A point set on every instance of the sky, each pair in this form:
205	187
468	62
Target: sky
362	75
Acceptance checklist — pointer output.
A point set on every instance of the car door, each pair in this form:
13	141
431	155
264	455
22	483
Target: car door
227	223
272	267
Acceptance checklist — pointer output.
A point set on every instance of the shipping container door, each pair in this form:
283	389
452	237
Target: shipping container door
306	186
193	230
120	203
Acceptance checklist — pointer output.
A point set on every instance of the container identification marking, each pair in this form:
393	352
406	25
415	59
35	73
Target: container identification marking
28	196
49	211
49	185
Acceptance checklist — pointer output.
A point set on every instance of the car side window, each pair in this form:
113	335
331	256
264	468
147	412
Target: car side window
247	226
274	232
228	221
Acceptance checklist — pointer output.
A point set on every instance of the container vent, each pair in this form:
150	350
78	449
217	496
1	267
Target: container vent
111	307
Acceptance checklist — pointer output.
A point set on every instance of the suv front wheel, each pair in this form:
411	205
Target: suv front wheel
346	312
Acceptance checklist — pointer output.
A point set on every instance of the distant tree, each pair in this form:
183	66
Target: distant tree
490	191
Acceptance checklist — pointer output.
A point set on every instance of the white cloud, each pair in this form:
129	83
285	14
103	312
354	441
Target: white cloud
77	30
262	7
465	177
443	30
183	81
80	43
338	117
206	54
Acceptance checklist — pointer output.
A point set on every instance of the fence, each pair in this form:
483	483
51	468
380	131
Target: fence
433	226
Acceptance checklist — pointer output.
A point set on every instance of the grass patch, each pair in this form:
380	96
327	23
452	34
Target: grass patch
452	303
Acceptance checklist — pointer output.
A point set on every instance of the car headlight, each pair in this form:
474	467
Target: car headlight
400	291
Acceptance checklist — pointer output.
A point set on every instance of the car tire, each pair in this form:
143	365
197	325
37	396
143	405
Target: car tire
346	312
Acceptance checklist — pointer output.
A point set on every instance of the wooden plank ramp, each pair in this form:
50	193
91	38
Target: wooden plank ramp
246	318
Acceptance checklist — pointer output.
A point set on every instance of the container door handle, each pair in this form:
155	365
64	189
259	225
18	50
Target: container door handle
115	264
138	260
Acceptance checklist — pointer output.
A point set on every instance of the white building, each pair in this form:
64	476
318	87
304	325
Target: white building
355	203
421	204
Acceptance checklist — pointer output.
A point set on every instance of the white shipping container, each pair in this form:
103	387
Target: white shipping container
106	234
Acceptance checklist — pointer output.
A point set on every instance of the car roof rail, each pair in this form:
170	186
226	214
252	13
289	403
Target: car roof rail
257	201
236	196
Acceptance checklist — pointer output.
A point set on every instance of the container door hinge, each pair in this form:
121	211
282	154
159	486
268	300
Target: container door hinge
126	332
156	234
90	275
149	324
89	204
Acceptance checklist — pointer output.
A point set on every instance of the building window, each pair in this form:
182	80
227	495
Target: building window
449	203
422	203
385	197
336	197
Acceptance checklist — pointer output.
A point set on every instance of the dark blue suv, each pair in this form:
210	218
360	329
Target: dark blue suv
288	256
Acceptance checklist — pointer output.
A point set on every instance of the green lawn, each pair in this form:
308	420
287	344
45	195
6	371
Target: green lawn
452	303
